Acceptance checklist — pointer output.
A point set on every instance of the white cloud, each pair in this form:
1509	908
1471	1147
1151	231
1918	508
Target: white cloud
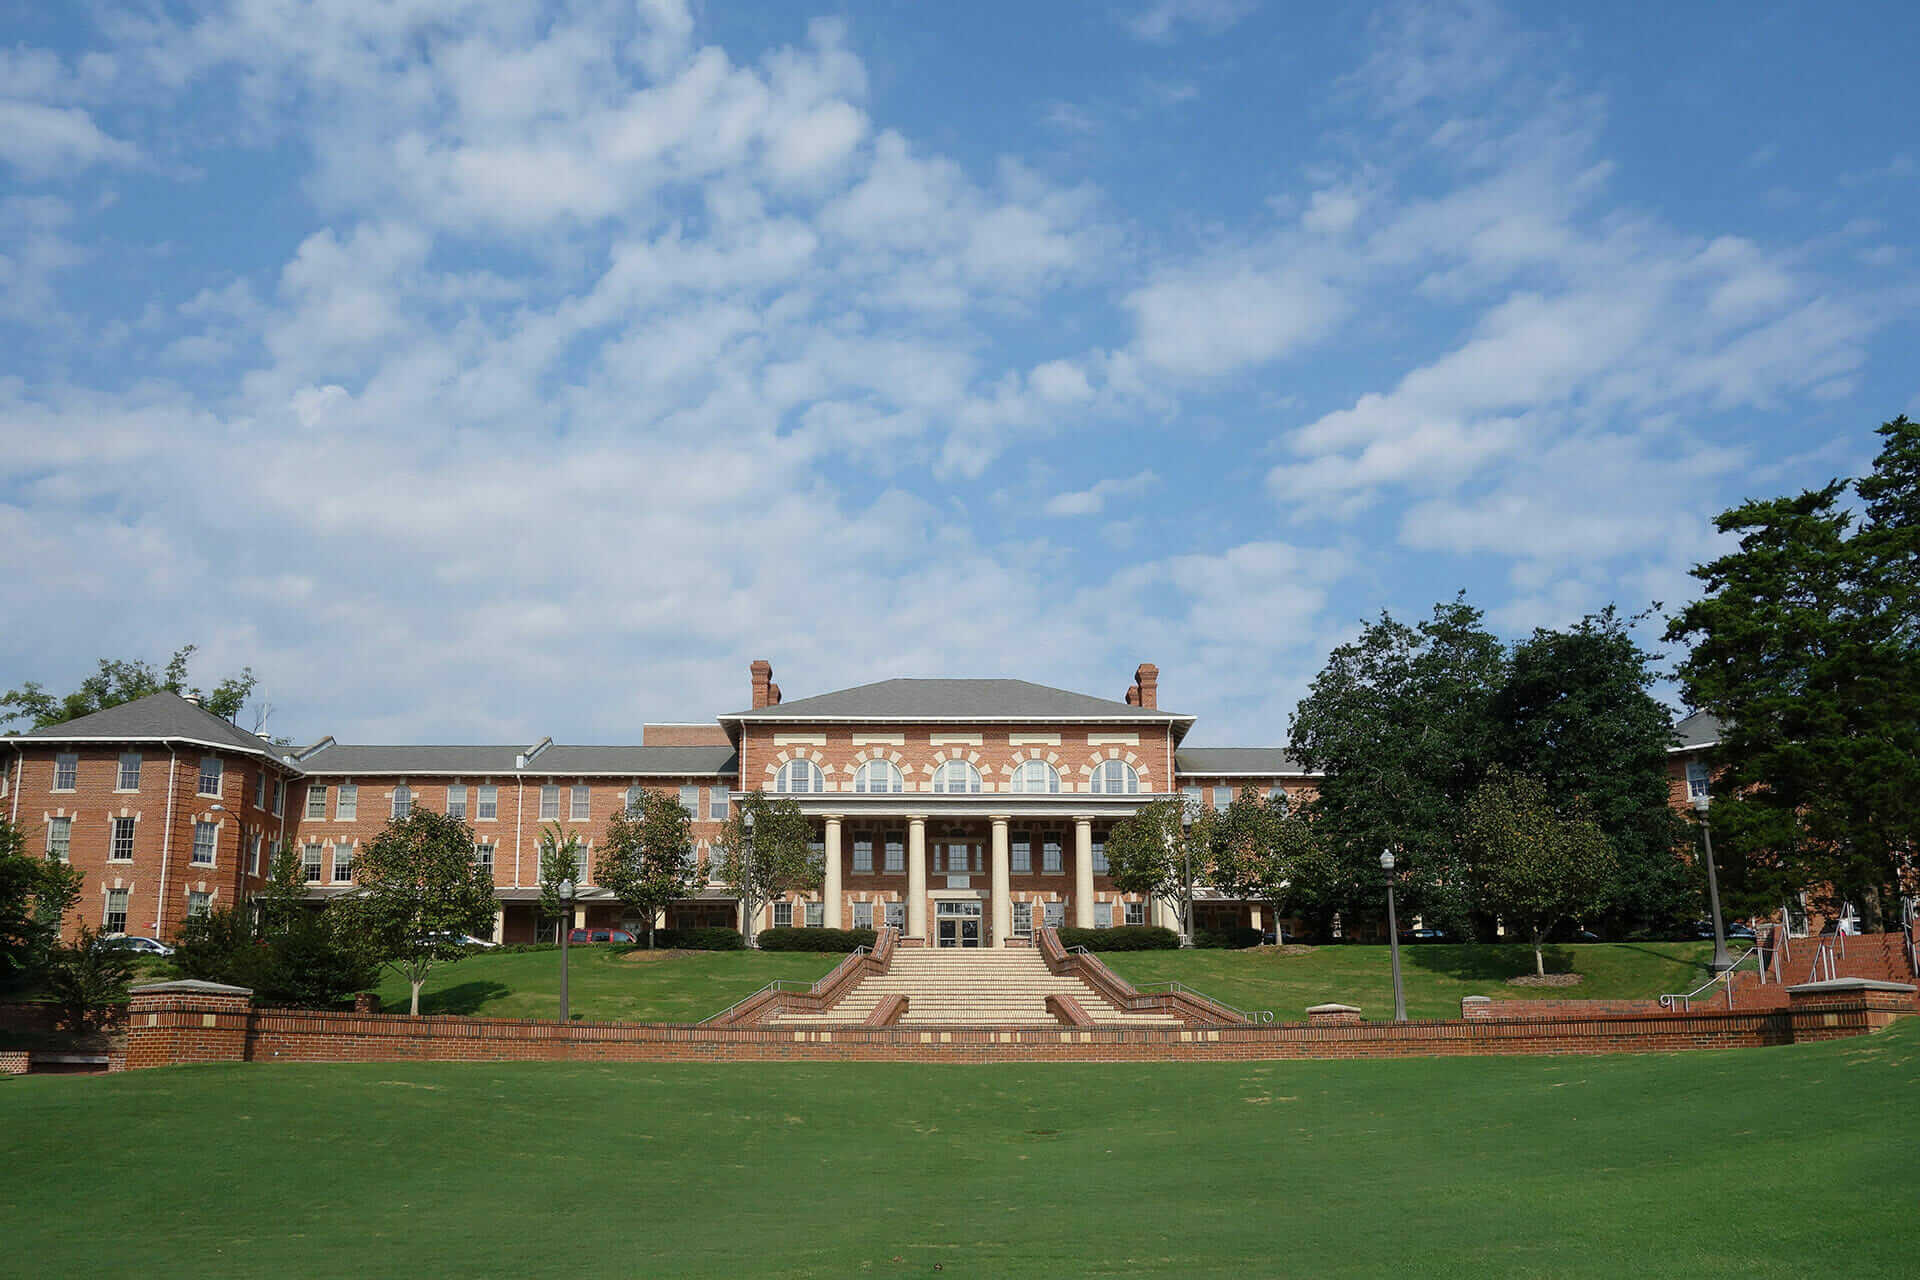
41	141
1217	317
1161	20
1092	501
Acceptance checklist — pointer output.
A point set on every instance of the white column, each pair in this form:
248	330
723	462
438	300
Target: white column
1083	873
1161	914
499	924
832	890
1002	884
917	878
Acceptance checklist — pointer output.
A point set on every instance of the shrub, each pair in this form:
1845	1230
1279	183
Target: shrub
1236	938
221	946
517	948
310	966
1126	937
814	939
86	978
710	938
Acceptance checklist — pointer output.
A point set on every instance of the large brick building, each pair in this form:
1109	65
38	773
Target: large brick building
965	812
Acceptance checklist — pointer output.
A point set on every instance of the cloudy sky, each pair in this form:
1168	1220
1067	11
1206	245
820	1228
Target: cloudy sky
478	373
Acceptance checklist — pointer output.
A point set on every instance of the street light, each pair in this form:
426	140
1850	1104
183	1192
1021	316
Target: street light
1187	816
1720	962
1393	940
565	890
744	874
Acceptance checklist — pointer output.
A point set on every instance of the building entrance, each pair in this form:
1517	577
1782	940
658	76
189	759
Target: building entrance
957	924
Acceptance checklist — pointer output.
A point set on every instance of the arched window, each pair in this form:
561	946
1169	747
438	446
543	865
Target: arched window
1036	776
1115	778
878	776
799	775
956	777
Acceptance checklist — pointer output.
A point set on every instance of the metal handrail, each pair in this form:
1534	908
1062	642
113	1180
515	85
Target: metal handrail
792	984
1685	1001
1258	1017
1823	960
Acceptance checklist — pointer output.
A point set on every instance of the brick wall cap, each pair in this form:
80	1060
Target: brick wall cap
1840	985
191	986
1334	1008
1476	999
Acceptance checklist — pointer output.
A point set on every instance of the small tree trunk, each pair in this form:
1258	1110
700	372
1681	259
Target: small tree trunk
1539	960
416	983
649	935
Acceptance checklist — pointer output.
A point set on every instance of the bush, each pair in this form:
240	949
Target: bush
516	948
710	938
1126	937
814	939
86	978
1237	938
309	966
221	946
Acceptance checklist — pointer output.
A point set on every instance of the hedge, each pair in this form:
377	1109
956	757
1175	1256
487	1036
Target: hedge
709	938
1126	937
1237	938
790	939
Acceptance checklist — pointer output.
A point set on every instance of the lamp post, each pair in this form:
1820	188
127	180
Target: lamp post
565	889
1187	816
1720	962
744	874
1393	940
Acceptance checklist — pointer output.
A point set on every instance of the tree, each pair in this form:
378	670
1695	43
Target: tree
1267	852
86	977
647	861
417	888
35	896
777	860
1533	862
283	903
1164	850
1578	713
1806	645
559	863
122	680
1403	723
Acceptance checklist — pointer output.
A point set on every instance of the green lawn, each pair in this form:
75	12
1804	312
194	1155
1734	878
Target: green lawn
1749	1163
1436	976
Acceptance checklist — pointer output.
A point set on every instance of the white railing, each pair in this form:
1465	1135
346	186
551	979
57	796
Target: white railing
1683	1001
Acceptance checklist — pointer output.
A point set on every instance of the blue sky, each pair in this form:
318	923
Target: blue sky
477	371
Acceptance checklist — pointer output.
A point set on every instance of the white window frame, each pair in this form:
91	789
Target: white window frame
1032	772
346	803
1099	852
783	915
894	914
1133	913
889	780
1022	920
60	850
260	789
549	802
311	860
1222	797
129	767
253	854
863	852
218	774
121	897
969	776
400	803
1054	914
1699	780
316	801
279	797
66	765
483	855
114	843
343	861
863	915
800	772
895	856
1115	777
816	915
719	804
1103	915
1020	855
580	804
457	800
1053	854
486	803
199	904
211	831
690	800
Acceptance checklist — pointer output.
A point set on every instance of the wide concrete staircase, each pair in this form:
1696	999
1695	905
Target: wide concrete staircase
958	987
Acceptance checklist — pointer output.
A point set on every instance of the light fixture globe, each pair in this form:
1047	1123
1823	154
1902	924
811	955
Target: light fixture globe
1386	859
746	821
566	889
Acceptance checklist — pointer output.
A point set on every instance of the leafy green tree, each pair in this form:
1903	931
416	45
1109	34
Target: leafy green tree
417	888
221	946
1265	851
1578	713
1535	862
776	861
559	863
1806	645
35	896
1164	849
122	680
647	861
86	977
283	902
315	963
1404	723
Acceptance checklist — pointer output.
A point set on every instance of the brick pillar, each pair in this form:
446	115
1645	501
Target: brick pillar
1846	1007
1476	1007
1083	873
832	890
1002	883
1333	1015
187	1021
917	878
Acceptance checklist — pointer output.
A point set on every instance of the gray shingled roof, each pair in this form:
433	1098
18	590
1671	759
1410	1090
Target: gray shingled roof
157	716
637	761
1698	730
348	760
557	761
907	699
1224	762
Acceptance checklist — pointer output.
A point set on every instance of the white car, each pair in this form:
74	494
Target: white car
464	939
143	946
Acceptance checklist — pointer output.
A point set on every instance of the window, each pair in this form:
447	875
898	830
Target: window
317	800
879	776
1023	919
1698	782
253	856
1135	913
896	853
346	805
129	772
1277	797
66	771
310	864
1036	776
59	839
550	803
1056	914
342	863
1103	915
802	776
634	795
1022	856
210	775
260	790
863	856
483	857
1115	778
581	807
816	914
1100	867
783	915
279	796
1193	799
956	777
199	904
863	915
121	850
487	808
690	801
580	855
896	916
716	870
1222	797
1050	855
402	801
203	838
717	804
457	801
958	857
115	919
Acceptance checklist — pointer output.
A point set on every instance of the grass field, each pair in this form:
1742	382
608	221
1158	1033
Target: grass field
689	986
1750	1163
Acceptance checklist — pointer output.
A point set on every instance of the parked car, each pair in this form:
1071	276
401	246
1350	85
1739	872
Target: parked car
601	935
142	946
1703	930
1426	935
464	939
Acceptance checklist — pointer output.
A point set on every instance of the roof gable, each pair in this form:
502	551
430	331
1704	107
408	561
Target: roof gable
156	716
910	699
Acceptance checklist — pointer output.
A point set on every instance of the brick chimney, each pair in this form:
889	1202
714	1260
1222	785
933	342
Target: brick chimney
773	695
762	683
1146	678
1133	695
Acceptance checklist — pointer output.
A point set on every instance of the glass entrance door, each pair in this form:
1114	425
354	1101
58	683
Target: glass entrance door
957	924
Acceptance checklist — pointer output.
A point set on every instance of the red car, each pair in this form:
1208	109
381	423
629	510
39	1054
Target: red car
601	935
